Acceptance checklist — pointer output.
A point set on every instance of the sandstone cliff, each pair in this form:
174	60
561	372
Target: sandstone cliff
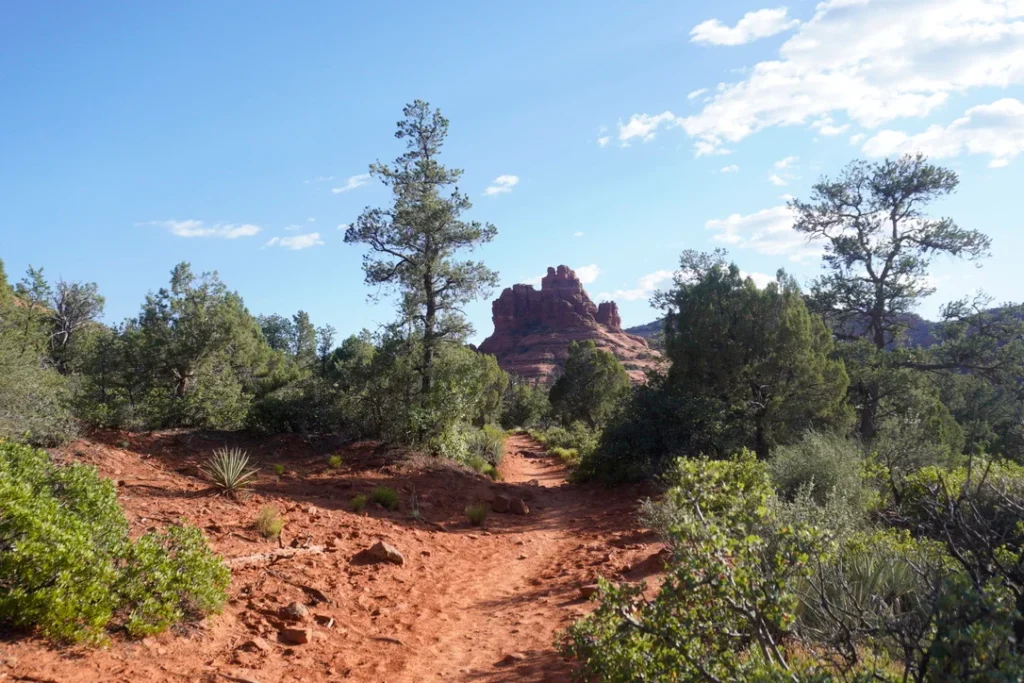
533	329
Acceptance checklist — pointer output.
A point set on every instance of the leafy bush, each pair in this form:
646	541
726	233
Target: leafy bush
268	523
386	497
477	513
169	577
229	470
359	502
279	469
569	456
311	406
524	406
819	464
487	443
68	567
334	462
34	404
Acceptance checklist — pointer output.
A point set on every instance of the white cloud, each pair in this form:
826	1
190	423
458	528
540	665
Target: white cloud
352	183
827	127
644	126
588	274
604	140
696	93
577	234
292	228
311	220
732	168
753	25
870	61
769	231
996	130
777	180
645	287
295	242
502	184
342	226
857	139
760	279
194	228
786	163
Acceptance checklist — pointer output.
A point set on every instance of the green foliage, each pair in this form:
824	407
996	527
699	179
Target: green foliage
279	469
229	470
713	618
758	353
169	577
477	513
386	497
487	444
268	522
308	406
412	244
819	464
570	456
334	462
524	406
68	567
591	387
359	502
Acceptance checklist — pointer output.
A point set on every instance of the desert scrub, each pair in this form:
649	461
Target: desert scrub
229	470
279	469
386	497
334	462
359	502
73	571
569	456
268	523
487	444
477	513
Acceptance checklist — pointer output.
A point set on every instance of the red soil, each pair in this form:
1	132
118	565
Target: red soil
465	598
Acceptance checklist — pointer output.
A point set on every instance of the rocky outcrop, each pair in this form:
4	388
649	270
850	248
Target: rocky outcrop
533	329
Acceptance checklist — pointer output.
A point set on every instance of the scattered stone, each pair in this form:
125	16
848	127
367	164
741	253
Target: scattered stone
324	620
511	658
385	552
518	506
255	644
295	636
294	612
588	591
533	482
501	503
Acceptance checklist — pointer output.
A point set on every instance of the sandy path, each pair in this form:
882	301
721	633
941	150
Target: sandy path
465	599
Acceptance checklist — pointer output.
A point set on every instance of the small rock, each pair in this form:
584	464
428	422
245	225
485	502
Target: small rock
512	658
295	636
501	503
518	506
589	590
256	644
533	482
324	620
294	612
385	552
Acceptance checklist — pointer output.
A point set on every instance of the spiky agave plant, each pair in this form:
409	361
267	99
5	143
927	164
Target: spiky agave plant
229	470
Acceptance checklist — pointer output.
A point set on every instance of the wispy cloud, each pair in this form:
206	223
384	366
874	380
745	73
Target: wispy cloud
786	163
769	231
502	184
753	25
194	228
694	94
731	168
577	234
604	140
777	180
644	126
645	287
996	130
352	183
862	62
296	242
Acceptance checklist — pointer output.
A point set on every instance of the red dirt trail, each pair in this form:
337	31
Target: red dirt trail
465	599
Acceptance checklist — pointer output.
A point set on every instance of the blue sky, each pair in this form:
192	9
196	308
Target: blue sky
234	135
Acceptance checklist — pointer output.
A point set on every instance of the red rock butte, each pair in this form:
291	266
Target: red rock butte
533	329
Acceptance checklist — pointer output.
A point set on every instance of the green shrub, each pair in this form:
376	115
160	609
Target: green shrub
487	444
229	470
477	513
171	576
386	497
359	502
34	404
569	456
68	567
820	464
268	523
334	462
279	469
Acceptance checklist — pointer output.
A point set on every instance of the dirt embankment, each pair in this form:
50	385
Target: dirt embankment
468	603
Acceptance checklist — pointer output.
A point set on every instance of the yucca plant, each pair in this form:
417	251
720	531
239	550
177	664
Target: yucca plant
477	513
229	470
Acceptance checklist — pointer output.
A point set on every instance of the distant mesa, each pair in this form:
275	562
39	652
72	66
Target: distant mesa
533	329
